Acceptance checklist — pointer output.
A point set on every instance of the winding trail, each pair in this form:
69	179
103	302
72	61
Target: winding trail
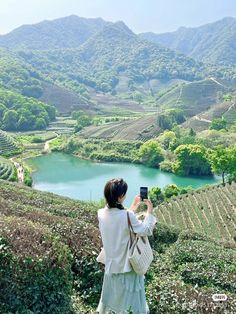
202	119
214	80
19	169
46	148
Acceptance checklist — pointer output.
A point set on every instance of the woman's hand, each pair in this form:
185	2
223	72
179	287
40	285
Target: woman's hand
149	205
136	203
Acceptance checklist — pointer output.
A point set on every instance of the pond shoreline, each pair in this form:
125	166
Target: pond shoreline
72	176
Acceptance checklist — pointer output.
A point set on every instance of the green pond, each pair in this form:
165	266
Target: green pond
83	179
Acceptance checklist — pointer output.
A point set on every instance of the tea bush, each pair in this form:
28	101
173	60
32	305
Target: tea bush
184	279
34	269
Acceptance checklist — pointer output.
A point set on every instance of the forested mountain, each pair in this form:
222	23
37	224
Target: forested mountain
211	43
109	54
83	57
67	32
114	50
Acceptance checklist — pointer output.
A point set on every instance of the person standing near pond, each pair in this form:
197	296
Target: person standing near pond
122	288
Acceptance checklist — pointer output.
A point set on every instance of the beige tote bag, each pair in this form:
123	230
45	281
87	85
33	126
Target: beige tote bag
140	251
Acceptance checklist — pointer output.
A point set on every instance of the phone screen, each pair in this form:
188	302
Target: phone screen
143	192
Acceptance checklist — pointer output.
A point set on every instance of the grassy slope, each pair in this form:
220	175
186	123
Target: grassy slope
192	97
202	121
76	225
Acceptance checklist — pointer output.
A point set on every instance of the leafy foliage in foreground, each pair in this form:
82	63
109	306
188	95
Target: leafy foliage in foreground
61	259
35	275
184	278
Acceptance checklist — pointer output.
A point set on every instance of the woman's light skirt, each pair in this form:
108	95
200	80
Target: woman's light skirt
122	292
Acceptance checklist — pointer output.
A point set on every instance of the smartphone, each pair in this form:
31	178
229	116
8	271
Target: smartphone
143	192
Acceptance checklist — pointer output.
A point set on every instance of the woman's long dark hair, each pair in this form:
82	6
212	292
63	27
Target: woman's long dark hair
115	188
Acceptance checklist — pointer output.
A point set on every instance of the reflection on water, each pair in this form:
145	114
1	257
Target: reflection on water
82	179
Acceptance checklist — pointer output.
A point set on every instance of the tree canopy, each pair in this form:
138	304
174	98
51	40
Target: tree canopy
19	113
150	153
192	159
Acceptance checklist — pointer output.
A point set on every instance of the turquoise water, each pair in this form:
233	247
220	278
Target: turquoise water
83	179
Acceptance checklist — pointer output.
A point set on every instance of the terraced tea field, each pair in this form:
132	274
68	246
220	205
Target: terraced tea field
7	145
202	121
7	170
211	210
134	129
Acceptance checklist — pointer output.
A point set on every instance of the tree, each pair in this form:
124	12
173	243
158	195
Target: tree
164	122
227	97
177	115
192	160
32	91
2	110
150	153
40	124
192	132
76	114
10	119
156	195
171	190
166	138
51	112
223	161
82	121
218	124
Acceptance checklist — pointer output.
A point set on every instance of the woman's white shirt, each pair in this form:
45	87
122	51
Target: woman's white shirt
113	226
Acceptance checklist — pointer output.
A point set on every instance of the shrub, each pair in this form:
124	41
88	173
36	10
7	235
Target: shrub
156	196
166	166
184	279
163	236
27	178
35	275
37	139
171	190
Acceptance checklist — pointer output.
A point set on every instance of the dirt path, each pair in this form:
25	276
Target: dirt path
180	94
202	119
20	171
46	145
214	80
232	105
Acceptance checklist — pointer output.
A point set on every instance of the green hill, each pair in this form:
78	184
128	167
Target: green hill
86	58
58	269
109	53
193	97
211	43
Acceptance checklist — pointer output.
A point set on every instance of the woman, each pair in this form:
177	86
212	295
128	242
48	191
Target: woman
122	288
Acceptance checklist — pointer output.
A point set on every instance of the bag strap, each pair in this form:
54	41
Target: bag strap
129	223
130	227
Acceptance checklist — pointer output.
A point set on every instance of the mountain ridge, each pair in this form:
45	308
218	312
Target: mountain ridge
211	43
79	29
